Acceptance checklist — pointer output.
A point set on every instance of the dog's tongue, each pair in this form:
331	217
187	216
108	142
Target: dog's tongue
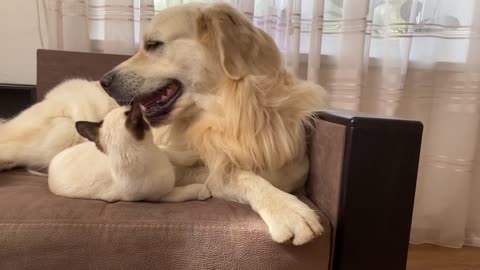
160	97
153	99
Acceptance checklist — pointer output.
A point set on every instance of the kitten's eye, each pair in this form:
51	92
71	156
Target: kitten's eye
152	45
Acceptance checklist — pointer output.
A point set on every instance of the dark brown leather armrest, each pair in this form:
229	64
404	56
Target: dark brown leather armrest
363	176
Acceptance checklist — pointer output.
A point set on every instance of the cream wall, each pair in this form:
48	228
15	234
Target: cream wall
19	40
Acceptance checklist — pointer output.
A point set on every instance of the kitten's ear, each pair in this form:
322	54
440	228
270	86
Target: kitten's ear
135	122
89	130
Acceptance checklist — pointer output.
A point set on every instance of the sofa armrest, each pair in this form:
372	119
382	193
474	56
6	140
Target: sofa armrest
363	172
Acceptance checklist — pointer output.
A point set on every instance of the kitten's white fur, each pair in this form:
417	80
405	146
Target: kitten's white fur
131	169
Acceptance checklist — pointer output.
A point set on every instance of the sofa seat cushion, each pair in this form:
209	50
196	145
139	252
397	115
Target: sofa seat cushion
39	230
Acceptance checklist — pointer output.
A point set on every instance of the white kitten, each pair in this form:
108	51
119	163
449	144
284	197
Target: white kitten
121	162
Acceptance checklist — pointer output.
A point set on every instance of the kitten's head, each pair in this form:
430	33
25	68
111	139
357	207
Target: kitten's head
121	128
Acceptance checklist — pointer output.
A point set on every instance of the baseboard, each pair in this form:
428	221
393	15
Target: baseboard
15	97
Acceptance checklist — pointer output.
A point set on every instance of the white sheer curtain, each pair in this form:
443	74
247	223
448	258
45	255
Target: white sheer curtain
417	59
110	26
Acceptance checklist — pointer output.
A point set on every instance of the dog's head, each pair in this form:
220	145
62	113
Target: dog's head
109	133
187	53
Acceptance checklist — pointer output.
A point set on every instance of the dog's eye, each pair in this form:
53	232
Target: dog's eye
152	45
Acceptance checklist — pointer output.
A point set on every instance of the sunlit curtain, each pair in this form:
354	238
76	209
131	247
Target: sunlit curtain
110	26
417	59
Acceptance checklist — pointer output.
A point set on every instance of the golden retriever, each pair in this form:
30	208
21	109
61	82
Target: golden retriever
230	104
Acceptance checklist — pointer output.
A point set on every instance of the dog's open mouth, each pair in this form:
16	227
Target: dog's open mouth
162	100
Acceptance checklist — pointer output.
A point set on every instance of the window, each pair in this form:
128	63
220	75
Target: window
390	23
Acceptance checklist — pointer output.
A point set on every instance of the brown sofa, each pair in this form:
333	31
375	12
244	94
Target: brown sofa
362	184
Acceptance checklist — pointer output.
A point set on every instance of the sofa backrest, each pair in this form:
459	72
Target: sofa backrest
53	67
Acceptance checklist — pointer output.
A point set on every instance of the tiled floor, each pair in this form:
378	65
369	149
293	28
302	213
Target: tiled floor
430	257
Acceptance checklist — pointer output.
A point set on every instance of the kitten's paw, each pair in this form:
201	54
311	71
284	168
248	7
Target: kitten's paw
204	193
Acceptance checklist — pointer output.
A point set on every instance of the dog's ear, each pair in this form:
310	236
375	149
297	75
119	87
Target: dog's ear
135	123
89	130
242	48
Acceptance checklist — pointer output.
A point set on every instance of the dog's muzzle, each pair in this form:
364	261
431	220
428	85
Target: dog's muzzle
123	87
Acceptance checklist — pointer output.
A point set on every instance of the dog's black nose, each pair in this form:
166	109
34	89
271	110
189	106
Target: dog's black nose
107	80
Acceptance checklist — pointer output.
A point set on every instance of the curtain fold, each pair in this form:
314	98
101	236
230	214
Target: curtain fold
417	59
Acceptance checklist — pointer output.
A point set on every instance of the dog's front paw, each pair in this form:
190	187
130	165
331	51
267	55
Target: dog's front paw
291	219
204	193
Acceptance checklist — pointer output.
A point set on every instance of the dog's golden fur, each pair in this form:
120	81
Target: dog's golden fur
259	124
241	119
